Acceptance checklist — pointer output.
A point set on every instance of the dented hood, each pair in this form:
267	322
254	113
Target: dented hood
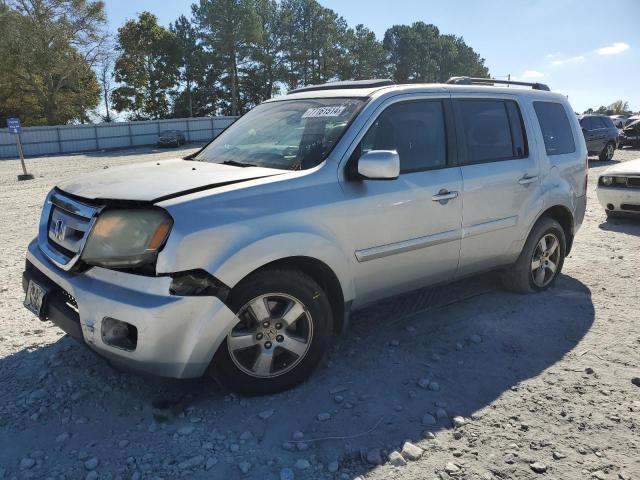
160	180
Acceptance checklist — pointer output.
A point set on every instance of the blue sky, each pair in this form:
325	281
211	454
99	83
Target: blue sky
586	49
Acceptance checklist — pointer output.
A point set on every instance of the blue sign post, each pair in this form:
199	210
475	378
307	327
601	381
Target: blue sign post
13	124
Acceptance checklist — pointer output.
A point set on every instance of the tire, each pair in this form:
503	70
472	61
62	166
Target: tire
520	278
238	365
607	152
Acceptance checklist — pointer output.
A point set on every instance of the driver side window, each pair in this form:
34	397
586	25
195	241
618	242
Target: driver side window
415	130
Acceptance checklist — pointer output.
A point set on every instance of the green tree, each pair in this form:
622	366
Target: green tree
418	53
228	29
365	56
620	107
146	68
192	66
47	53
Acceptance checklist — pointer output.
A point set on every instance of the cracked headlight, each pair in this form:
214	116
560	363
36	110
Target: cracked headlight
127	238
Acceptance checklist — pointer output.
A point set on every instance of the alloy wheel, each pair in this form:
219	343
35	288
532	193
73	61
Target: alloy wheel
272	336
545	260
610	151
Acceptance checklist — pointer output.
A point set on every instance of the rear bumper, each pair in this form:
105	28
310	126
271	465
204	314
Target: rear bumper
177	336
622	199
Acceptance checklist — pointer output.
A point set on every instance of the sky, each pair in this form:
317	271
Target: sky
586	49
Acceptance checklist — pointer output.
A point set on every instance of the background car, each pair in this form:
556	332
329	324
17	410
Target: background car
631	119
630	135
171	138
619	189
618	120
600	134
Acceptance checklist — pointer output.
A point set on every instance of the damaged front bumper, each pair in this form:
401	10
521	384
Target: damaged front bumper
175	337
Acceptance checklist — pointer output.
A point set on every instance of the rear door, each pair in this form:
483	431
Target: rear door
500	179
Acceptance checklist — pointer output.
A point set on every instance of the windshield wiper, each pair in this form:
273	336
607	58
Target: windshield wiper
238	164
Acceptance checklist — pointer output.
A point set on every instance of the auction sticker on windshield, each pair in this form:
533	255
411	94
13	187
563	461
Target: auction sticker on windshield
335	111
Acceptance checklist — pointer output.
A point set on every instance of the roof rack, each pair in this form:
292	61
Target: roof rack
492	81
376	82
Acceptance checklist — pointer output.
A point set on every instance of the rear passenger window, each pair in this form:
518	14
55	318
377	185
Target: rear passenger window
492	130
555	126
415	130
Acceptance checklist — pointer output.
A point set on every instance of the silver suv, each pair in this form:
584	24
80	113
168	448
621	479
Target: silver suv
243	259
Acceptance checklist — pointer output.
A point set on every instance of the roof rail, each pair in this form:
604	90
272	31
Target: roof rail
493	81
372	83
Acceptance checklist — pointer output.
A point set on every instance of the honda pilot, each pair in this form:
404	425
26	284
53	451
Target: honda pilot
243	259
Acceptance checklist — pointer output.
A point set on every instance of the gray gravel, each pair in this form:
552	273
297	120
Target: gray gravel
527	386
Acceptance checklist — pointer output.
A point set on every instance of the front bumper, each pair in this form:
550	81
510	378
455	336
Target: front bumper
623	199
177	336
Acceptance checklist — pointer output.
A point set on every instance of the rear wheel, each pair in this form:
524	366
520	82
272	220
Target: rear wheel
541	259
284	325
607	152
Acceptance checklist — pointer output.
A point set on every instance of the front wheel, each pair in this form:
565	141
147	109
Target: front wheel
284	325
541	259
607	153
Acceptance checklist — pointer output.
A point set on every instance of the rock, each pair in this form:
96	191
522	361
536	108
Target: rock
589	371
266	414
63	437
286	474
374	457
234	447
324	416
302	446
302	464
424	383
558	455
458	421
441	414
428	435
246	436
26	463
333	466
37	394
92	475
211	462
123	443
434	386
636	381
475	339
538	467
396	459
451	468
297	435
428	419
244	467
457	435
288	446
411	451
338	399
191	462
92	463
459	346
186	430
599	475
394	343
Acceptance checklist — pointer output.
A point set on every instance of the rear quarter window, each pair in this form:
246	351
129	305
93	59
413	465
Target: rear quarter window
555	127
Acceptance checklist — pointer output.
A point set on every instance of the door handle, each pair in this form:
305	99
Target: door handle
444	195
526	180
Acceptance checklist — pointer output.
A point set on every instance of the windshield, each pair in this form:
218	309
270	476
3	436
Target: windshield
289	134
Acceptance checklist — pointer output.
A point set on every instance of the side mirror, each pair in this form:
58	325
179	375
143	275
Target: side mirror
379	165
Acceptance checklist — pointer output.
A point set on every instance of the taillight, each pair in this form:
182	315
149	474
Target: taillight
586	172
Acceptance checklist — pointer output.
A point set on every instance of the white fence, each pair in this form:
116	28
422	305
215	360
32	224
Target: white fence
105	136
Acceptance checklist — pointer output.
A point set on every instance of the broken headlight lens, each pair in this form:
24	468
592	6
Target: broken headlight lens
127	238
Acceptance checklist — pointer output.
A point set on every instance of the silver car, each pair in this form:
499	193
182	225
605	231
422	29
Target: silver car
243	260
619	189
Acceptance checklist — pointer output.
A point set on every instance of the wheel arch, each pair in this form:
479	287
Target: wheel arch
564	217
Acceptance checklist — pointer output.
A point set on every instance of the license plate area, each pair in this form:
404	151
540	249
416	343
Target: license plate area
35	298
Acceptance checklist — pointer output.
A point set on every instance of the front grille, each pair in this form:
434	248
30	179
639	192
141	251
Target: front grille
630	207
633	182
64	227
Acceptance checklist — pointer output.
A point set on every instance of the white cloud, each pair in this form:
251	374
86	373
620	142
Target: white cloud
532	74
613	49
565	61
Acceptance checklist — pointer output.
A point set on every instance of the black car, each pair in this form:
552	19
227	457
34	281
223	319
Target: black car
600	134
171	138
631	135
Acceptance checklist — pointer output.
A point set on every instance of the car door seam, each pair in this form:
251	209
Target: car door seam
372	253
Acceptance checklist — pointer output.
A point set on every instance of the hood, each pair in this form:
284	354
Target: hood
160	180
631	166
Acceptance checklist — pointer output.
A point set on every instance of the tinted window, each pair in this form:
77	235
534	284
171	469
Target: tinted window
488	132
555	127
608	122
415	130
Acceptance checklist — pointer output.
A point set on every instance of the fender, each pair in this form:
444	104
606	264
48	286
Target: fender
285	245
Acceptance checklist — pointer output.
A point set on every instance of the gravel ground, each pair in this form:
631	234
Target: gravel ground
480	383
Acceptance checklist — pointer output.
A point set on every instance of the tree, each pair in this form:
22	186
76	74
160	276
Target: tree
105	77
48	50
418	53
228	28
365	56
620	107
147	68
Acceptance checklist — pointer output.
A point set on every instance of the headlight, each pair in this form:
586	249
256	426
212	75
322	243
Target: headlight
607	181
126	238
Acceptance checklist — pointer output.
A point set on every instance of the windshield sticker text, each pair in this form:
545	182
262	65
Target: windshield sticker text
324	112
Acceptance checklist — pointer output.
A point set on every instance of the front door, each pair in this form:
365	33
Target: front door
405	232
499	176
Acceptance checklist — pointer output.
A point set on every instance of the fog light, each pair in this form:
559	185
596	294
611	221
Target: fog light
119	334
